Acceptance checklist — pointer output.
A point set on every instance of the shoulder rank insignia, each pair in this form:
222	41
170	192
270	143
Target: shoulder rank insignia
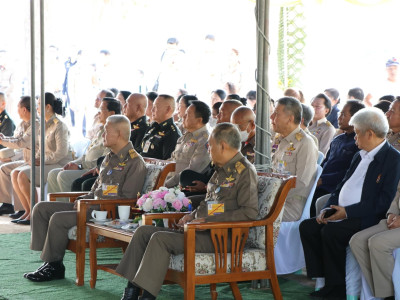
328	123
135	127
121	156
55	121
161	133
239	167
230	178
132	153
299	136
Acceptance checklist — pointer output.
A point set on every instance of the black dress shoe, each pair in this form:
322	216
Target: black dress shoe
6	209
16	221
23	222
38	269
131	294
17	214
47	273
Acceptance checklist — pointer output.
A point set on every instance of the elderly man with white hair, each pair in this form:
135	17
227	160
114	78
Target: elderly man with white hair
359	201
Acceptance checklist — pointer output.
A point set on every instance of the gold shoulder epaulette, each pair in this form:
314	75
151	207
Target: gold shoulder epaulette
239	167
299	136
133	153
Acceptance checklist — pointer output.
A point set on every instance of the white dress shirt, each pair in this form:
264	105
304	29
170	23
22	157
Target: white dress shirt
352	189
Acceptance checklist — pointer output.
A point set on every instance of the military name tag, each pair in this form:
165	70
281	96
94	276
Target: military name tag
146	146
214	208
109	189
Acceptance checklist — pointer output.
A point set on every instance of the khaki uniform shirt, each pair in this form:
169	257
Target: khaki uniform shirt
394	139
234	185
395	205
191	153
22	139
296	154
324	131
248	149
121	176
312	136
93	152
57	149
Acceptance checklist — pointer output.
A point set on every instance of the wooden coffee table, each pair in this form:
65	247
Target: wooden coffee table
97	230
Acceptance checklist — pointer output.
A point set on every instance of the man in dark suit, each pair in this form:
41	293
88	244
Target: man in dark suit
360	201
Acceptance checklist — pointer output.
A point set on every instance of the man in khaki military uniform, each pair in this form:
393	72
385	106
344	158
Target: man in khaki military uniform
373	248
244	118
234	184
295	154
51	221
226	110
160	139
308	114
21	140
321	128
393	116
60	179
191	149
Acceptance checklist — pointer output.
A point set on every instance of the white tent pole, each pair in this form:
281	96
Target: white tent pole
263	136
33	102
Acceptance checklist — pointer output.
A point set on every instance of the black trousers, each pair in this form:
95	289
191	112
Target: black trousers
325	248
83	184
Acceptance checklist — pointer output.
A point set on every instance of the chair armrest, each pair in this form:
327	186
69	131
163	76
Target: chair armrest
89	202
71	195
224	225
149	217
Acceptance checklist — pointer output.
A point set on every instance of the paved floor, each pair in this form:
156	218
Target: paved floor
7	227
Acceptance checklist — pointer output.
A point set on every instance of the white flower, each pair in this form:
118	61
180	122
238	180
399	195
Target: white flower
172	190
177	191
180	196
163	188
170	197
148	205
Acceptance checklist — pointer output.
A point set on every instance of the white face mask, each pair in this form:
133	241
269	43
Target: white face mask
244	135
212	122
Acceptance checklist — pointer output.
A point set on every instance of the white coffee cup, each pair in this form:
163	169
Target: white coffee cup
99	215
124	211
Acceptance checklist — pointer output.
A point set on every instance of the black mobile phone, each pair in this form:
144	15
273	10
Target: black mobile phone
329	212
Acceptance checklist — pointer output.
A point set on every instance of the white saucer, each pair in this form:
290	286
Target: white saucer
118	223
100	222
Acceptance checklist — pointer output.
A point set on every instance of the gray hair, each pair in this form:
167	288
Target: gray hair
292	107
122	124
228	133
370	118
308	114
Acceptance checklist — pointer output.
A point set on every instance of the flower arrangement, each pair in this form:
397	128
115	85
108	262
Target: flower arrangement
164	200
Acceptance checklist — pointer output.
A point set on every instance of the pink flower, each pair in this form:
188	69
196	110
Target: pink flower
159	203
185	202
177	204
140	201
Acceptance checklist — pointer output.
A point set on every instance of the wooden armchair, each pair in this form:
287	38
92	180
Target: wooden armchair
157	171
252	254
